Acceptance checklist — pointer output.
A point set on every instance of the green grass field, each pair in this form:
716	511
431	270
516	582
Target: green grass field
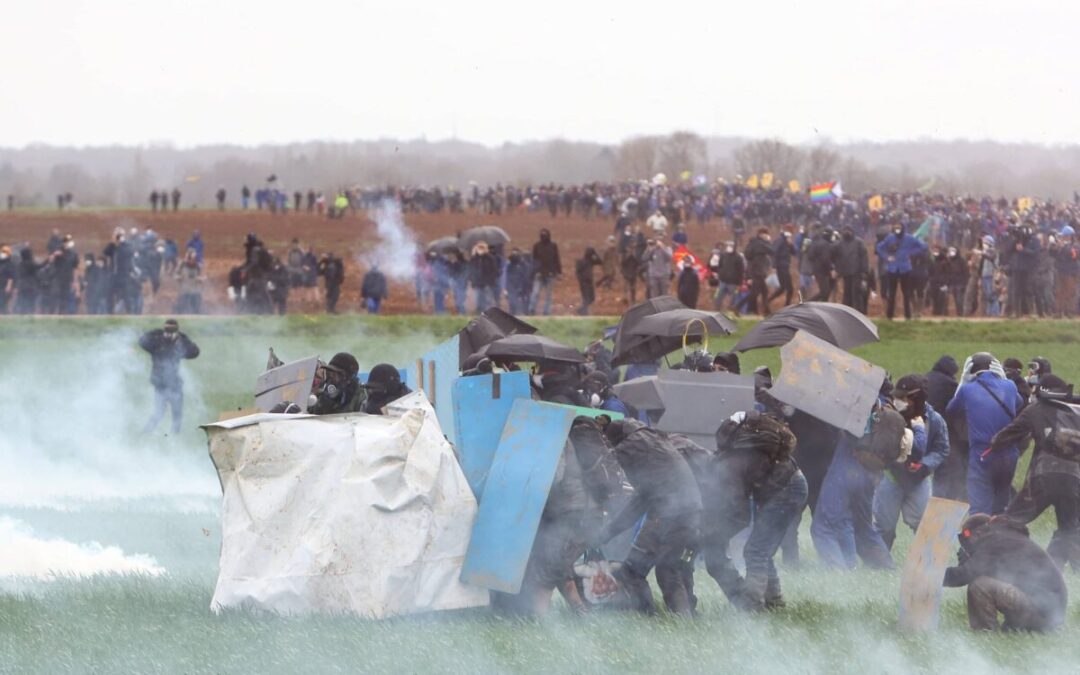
74	394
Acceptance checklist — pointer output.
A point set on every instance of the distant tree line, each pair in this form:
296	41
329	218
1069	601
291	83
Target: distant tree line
125	176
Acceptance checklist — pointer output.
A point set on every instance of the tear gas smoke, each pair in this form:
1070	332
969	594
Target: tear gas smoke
47	559
69	430
396	247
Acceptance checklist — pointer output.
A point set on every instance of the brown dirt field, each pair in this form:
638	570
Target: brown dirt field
348	237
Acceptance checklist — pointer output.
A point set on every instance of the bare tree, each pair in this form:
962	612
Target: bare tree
638	157
773	155
683	151
822	164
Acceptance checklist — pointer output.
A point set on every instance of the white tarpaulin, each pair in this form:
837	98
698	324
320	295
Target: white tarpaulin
343	513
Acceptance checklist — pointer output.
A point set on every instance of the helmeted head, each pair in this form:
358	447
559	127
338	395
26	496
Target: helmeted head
384	379
981	361
909	395
971	529
1052	384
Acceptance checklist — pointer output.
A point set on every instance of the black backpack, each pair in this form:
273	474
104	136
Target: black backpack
1064	440
764	433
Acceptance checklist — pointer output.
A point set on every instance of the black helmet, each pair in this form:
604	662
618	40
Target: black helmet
346	363
1040	365
384	378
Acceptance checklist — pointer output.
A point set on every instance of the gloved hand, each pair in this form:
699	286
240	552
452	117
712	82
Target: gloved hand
918	469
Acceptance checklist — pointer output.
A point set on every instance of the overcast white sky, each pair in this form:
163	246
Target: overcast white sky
242	71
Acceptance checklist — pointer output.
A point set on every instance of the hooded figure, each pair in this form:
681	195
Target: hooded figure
905	487
383	386
666	493
337	390
950	479
583	270
758	481
1007	573
546	268
1053	477
167	346
987	402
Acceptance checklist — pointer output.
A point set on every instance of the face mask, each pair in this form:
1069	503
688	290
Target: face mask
595	401
900	404
70	245
898	232
171	336
729	249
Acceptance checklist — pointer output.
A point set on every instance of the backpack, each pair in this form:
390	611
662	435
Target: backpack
880	445
600	471
1064	439
765	433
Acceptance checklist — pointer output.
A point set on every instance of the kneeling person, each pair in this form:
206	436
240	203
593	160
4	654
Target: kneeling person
1007	573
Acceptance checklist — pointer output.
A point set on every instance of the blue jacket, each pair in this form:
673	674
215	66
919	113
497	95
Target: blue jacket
985	417
931	445
896	252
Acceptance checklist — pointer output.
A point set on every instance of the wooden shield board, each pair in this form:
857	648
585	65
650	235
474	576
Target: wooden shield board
924	570
290	382
515	493
827	383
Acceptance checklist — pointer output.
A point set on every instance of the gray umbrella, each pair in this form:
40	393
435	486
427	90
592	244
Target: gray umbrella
443	245
489	234
674	323
531	348
838	325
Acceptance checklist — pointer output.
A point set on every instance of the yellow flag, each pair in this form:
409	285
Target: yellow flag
766	180
684	176
794	186
1023	204
876	203
752	182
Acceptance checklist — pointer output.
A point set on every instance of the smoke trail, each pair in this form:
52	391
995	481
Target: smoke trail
396	249
24	555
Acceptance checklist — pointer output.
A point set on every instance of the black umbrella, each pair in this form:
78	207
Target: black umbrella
489	234
838	325
685	321
531	348
491	325
632	348
444	245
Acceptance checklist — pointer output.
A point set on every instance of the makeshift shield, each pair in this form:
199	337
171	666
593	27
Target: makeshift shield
290	382
827	383
689	403
924	569
515	493
482	404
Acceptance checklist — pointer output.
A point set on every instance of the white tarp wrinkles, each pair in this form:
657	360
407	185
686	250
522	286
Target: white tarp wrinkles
343	513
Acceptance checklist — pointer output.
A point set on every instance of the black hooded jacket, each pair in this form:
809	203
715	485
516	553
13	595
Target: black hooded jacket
664	485
942	383
545	253
1003	550
165	355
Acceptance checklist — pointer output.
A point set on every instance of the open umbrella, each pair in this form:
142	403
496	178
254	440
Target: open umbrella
838	325
491	325
632	348
675	323
443	245
531	348
489	234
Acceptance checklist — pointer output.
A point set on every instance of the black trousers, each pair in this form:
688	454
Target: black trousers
1062	491
787	288
825	286
759	291
906	286
663	543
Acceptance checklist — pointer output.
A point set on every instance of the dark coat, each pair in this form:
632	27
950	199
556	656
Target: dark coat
851	257
165	356
758	257
374	285
546	263
689	287
942	382
1004	551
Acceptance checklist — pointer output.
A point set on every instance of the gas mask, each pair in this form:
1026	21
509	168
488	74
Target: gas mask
171	335
595	400
900	405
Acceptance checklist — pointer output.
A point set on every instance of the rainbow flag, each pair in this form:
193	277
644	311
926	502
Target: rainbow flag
822	192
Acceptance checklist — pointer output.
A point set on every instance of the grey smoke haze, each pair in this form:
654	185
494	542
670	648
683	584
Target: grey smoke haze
395	246
125	175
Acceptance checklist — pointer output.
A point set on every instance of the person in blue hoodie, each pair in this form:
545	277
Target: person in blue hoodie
896	251
988	401
905	487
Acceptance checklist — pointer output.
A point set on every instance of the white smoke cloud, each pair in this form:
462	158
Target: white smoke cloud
24	555
69	424
397	247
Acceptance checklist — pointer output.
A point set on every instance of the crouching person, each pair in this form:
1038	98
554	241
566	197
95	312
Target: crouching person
755	470
666	493
1007	573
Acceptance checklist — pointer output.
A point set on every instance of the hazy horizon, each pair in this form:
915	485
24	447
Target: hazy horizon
198	73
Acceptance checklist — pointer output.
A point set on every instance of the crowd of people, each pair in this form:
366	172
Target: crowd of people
929	254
